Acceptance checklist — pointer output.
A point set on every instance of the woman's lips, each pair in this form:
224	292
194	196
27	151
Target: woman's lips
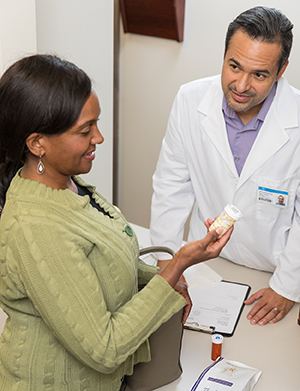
90	155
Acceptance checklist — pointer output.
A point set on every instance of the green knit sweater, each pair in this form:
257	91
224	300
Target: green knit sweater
68	283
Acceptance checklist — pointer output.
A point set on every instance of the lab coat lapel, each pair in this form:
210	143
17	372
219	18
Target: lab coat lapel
272	135
214	125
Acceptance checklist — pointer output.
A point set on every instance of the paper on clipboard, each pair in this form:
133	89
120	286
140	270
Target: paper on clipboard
201	275
217	308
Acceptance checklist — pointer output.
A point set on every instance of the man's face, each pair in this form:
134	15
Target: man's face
250	69
280	200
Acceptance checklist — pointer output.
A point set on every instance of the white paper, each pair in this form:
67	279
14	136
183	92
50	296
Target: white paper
217	306
201	275
225	375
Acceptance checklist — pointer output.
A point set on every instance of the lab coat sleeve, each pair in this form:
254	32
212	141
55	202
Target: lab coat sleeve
173	195
286	278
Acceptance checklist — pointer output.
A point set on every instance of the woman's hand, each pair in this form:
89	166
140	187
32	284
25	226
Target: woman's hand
183	290
202	250
208	223
195	252
163	263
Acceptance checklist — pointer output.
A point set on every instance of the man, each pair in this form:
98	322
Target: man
225	137
281	200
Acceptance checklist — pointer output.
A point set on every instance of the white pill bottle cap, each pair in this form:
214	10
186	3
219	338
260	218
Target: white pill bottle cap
217	339
233	212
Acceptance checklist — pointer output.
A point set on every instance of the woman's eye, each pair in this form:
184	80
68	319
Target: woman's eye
86	131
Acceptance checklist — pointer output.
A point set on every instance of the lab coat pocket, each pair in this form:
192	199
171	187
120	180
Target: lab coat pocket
275	198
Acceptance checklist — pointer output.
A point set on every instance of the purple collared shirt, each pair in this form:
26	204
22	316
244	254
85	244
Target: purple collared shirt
241	137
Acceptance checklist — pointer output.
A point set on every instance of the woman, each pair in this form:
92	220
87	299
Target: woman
69	266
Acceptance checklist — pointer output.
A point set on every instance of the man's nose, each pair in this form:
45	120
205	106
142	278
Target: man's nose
243	83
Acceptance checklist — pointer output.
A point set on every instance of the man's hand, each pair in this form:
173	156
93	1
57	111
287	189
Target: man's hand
270	307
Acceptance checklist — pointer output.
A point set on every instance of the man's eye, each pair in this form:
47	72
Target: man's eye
260	76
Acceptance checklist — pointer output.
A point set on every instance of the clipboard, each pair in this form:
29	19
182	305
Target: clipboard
217	308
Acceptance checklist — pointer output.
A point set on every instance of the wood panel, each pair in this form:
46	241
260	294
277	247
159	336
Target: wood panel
156	18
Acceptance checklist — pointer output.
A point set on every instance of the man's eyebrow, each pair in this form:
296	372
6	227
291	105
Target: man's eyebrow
254	70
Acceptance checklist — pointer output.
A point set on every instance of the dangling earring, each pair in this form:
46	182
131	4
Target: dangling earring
40	167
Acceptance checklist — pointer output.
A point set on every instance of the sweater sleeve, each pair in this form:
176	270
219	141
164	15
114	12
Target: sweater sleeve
145	273
63	286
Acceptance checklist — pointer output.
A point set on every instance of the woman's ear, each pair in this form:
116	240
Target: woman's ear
35	144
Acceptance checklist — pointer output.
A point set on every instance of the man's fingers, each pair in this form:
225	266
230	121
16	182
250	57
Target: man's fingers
270	307
255	296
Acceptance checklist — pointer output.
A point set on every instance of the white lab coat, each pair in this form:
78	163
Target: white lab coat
196	164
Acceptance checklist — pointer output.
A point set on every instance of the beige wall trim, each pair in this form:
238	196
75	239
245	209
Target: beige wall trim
116	103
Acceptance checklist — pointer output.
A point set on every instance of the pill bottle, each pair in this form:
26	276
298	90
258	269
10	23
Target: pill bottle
216	346
227	218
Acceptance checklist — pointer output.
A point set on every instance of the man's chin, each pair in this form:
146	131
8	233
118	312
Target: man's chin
239	107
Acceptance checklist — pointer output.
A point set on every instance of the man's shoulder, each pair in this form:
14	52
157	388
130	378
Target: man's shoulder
287	96
201	85
295	91
283	82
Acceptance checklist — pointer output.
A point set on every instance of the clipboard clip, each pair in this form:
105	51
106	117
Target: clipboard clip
199	327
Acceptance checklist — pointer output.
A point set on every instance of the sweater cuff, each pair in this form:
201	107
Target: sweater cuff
165	300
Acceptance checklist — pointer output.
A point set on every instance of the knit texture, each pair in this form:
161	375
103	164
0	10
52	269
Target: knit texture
68	283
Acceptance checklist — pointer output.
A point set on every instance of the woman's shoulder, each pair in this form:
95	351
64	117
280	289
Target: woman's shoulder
29	199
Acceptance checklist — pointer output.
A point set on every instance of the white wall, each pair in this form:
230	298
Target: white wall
151	71
82	32
17	30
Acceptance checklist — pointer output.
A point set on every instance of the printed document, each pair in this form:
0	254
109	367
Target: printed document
217	307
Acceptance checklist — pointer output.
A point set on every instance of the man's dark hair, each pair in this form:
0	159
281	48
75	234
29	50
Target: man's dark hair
265	24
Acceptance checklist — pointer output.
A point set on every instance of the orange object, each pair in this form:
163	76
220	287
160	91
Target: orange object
216	348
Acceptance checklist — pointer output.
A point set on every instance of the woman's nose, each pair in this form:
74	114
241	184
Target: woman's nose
97	137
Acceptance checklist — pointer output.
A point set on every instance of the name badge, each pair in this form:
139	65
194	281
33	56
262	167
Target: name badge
274	197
